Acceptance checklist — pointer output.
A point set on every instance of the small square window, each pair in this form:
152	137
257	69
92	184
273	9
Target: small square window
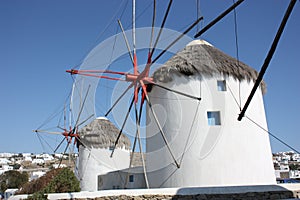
111	148
213	118
131	178
221	85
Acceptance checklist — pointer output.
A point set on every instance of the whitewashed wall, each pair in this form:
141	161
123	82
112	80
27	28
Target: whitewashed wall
94	162
234	153
120	179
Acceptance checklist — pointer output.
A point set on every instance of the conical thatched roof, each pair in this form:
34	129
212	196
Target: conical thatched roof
101	133
200	57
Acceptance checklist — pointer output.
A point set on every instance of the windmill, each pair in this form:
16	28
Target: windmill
69	133
141	82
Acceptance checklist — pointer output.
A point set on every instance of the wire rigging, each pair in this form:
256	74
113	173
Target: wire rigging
152	26
140	15
198	14
41	139
269	57
217	19
190	132
111	21
274	136
271	134
231	92
111	56
237	48
162	26
55	113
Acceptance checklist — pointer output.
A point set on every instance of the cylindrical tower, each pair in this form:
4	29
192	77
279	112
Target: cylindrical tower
212	147
95	147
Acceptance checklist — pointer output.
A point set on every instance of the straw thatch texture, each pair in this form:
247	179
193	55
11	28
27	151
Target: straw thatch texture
137	158
202	59
101	133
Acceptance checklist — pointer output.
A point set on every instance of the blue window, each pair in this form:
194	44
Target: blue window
221	85
131	178
111	148
213	118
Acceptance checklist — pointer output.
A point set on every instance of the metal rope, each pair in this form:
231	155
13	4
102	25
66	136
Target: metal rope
277	138
237	48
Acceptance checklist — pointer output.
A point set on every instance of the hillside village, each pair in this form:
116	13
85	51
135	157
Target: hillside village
286	164
36	165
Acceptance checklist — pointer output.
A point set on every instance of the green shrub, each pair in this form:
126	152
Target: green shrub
12	179
55	181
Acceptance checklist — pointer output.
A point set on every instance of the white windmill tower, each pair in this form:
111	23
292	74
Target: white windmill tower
193	137
95	147
211	147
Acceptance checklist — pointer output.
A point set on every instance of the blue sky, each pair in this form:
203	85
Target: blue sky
39	40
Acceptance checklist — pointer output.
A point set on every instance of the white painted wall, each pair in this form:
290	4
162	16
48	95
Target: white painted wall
235	153
94	162
120	179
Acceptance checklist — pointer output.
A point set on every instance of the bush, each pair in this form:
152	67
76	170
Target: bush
12	179
65	181
55	181
293	166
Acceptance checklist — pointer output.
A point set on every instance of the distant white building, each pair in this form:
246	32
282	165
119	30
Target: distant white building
4	165
278	158
26	154
6	155
55	166
60	155
36	175
28	158
45	156
283	171
10	192
5	168
4	161
38	161
296	157
286	158
48	158
294	174
284	167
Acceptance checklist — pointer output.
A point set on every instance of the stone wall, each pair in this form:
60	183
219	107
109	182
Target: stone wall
280	191
244	196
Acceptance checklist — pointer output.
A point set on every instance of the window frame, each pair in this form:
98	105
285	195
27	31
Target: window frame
221	85
131	178
214	118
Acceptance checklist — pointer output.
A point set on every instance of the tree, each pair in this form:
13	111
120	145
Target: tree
16	166
293	166
12	179
65	181
54	181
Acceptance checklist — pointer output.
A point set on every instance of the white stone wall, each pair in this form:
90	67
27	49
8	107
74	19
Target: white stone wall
121	179
95	162
234	153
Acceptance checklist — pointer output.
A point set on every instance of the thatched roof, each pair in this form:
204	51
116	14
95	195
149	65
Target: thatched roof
101	133
201	58
137	158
